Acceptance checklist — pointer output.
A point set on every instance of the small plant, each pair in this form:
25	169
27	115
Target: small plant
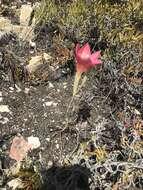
85	60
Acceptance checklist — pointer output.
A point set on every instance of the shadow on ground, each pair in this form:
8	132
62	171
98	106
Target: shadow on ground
67	178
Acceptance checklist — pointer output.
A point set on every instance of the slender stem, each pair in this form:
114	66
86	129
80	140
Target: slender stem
76	82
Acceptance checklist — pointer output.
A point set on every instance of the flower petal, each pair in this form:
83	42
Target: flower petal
96	62
85	50
95	55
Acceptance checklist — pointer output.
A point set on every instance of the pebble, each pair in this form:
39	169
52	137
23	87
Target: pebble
48	139
50	163
26	90
34	142
51	85
57	146
11	89
4	108
55	104
137	112
50	103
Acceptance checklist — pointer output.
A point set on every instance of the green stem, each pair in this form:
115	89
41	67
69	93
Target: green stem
76	82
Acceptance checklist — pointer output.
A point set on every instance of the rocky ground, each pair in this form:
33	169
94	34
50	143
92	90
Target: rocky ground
93	141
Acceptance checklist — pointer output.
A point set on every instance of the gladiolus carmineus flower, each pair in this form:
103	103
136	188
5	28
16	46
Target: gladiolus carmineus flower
85	60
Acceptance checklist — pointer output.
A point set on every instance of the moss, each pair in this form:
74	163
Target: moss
46	11
118	22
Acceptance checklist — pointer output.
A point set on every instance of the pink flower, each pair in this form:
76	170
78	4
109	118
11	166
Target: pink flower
85	59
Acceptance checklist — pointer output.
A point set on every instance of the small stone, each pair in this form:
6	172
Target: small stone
55	104
11	88
51	85
57	146
48	139
26	90
137	112
50	163
32	44
48	103
34	142
64	85
4	108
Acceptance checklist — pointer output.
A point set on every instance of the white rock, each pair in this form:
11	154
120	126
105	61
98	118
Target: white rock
64	85
48	103
4	108
32	44
0	93
25	13
11	88
55	104
26	90
34	142
51	85
57	146
50	163
137	112
1	99
48	139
